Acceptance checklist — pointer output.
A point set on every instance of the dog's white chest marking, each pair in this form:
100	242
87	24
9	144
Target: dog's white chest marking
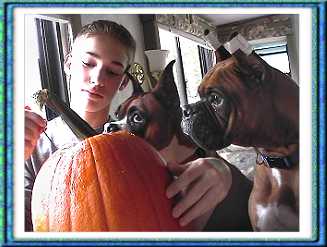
276	174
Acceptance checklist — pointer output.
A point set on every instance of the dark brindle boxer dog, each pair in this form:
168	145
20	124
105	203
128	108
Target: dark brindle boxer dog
156	117
246	102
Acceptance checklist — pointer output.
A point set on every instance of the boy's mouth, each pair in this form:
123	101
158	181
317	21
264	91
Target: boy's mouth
92	94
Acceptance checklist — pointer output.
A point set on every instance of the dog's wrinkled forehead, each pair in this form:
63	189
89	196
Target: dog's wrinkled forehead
223	75
123	107
148	103
142	102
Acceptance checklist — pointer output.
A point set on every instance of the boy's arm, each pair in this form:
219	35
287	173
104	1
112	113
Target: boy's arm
232	213
29	178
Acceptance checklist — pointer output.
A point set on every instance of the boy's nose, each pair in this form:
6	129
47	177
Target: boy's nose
96	83
97	77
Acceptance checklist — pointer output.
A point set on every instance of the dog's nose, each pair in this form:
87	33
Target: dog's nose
115	126
187	112
111	127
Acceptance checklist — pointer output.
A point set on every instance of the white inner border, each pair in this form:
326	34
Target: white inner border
305	76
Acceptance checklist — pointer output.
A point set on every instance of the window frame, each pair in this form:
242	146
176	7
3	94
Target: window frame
270	44
54	37
179	57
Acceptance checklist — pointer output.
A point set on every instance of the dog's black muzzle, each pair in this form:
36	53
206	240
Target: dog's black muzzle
204	126
115	126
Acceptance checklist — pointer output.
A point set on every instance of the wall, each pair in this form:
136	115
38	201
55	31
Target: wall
265	28
134	26
293	48
31	71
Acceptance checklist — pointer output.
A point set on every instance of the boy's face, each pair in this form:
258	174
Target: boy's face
96	67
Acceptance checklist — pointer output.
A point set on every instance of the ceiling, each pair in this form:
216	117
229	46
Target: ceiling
221	19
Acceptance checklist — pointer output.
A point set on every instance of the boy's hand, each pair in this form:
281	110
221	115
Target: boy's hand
34	125
204	183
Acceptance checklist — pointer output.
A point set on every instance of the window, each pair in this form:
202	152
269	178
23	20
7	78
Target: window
196	60
192	68
275	54
31	71
167	42
47	42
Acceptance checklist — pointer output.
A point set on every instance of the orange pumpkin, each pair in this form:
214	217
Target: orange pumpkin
109	182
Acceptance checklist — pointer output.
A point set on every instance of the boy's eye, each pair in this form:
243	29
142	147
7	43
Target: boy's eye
115	72
110	72
87	64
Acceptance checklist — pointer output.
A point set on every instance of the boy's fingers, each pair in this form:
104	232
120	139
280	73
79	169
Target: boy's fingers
198	209
193	195
189	174
36	118
176	168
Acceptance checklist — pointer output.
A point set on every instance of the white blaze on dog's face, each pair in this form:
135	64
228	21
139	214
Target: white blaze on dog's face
147	118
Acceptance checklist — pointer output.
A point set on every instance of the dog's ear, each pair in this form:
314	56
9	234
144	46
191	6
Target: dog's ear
220	51
166	90
222	54
137	89
124	82
252	66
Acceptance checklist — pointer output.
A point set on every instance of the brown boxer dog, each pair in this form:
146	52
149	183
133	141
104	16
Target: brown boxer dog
246	102
156	117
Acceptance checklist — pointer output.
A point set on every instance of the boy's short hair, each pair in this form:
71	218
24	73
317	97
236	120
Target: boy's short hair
114	29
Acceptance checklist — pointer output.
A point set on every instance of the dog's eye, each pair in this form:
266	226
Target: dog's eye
137	118
215	100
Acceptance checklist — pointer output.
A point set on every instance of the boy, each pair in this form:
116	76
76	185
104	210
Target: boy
101	53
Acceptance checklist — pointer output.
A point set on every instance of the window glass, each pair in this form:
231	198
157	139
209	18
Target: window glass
278	61
192	68
275	54
46	44
168	42
32	71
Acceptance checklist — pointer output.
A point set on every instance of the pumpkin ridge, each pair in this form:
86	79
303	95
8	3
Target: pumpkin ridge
49	193
70	203
53	175
111	175
51	186
90	142
116	157
58	166
88	193
76	183
110	184
147	185
155	187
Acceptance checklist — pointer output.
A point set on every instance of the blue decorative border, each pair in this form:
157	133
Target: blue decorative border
322	118
318	125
